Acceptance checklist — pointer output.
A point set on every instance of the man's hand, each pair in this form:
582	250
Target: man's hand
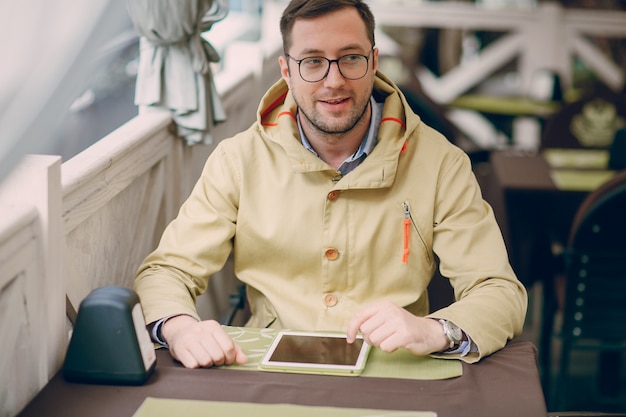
200	343
390	327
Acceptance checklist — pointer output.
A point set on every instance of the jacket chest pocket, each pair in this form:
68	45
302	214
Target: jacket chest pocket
414	244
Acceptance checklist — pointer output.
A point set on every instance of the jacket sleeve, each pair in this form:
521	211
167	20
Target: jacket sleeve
490	301
194	246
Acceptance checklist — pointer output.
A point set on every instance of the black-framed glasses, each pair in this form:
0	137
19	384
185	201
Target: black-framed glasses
316	68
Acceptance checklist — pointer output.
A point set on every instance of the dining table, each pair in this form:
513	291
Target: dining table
505	383
535	196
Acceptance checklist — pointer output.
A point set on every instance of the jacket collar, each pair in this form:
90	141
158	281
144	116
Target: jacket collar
276	120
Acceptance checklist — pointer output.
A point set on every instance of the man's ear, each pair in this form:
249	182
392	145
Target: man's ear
375	59
284	68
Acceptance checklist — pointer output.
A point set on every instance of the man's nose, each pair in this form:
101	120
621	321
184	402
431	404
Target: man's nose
334	77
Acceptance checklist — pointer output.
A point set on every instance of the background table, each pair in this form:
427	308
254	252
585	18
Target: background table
531	211
505	383
535	215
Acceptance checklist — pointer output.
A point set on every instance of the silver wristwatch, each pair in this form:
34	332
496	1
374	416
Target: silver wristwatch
452	332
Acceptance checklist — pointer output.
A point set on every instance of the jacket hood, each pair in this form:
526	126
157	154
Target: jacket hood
277	110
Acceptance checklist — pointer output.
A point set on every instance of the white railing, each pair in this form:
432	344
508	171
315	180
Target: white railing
545	37
31	293
68	228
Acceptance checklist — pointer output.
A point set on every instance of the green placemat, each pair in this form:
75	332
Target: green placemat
399	364
579	180
161	407
577	158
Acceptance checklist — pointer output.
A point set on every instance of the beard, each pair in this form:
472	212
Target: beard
330	125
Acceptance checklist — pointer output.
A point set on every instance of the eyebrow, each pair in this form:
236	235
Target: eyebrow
319	52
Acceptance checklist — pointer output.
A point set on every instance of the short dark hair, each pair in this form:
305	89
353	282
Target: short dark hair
306	9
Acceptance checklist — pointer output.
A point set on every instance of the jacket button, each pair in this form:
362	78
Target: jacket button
333	195
330	300
331	254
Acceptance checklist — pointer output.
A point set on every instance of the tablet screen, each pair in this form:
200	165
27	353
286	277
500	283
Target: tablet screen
316	352
317	349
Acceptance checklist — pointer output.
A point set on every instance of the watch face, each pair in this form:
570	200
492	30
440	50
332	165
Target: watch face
455	332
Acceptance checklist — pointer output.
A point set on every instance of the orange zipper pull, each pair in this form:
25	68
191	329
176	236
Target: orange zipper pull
407	231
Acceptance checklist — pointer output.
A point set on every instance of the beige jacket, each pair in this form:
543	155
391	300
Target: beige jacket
313	248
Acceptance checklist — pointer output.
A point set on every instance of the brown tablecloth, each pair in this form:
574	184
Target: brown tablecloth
503	384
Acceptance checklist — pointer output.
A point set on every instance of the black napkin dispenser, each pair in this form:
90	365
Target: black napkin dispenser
110	343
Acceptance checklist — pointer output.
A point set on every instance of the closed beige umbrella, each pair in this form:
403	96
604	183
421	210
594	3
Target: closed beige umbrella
174	63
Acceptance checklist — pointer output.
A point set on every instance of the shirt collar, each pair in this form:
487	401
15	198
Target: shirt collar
367	144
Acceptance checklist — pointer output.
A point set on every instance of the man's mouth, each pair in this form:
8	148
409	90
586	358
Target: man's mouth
334	101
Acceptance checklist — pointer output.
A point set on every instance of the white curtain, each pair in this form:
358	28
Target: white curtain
48	51
174	63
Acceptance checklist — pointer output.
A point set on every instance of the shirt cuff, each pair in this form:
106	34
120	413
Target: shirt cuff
465	347
156	330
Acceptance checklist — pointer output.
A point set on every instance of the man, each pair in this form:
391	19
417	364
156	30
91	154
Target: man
336	203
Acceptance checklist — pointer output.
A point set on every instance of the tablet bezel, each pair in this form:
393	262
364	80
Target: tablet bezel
316	368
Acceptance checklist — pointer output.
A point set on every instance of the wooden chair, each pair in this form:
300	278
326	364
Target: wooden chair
617	152
592	293
236	305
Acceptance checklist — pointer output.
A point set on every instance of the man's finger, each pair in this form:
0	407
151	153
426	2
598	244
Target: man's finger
357	321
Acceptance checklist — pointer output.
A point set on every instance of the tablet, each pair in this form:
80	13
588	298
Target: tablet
316	352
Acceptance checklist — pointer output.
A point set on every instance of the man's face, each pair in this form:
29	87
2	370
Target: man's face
334	104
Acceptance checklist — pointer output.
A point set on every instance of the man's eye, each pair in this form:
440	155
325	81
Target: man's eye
351	58
312	62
